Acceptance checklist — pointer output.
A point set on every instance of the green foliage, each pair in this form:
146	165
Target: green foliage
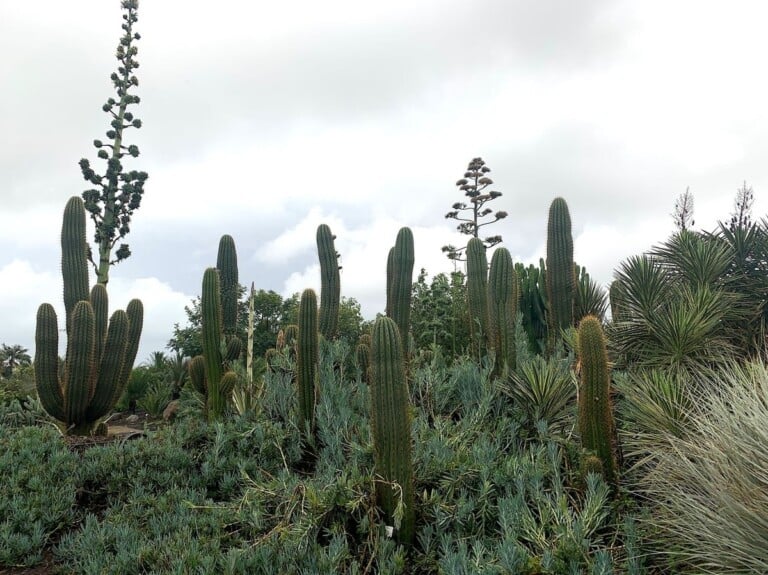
596	426
477	295
676	312
544	390
391	422
117	193
11	357
590	298
156	398
439	313
330	282
38	493
473	184
502	309
560	270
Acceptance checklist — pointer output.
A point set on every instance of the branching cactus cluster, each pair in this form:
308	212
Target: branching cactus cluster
533	303
330	282
100	353
390	418
211	374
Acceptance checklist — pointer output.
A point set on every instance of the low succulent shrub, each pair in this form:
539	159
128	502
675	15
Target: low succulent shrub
38	477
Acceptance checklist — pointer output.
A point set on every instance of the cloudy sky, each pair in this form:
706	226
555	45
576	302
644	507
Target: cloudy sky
263	120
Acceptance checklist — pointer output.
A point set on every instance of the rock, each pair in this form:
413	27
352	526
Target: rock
132	418
170	411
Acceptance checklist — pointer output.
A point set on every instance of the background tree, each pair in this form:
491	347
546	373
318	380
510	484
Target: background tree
439	313
473	184
13	356
117	193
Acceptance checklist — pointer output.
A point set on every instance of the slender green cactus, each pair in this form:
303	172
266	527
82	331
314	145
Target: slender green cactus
210	303
330	282
390	418
560	272
502	306
100	353
390	275
402	284
226	263
249	348
596	425
477	294
308	356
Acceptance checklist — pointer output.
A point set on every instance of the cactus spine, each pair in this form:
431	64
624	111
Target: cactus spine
330	282
502	304
477	293
560	272
308	356
402	283
100	353
390	418
596	425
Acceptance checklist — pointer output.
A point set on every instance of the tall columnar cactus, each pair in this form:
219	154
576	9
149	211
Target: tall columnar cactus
226	262
477	294
596	425
390	418
502	305
219	380
560	272
100	352
402	283
330	282
308	356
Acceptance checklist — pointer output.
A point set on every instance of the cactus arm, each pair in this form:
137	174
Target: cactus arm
47	362
330	282
108	390
390	274
100	302
402	283
74	256
80	365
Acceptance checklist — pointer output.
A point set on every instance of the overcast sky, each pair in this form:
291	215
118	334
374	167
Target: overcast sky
263	120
